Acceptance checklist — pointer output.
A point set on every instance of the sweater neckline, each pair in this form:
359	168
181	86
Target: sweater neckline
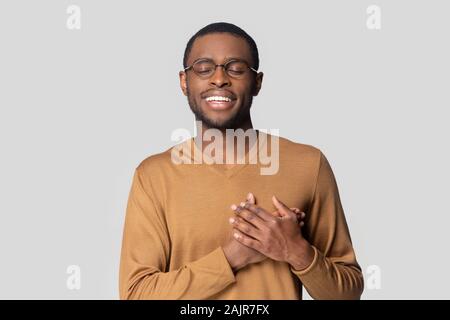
250	157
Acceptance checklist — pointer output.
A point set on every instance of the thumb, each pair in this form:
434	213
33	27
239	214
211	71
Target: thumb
282	208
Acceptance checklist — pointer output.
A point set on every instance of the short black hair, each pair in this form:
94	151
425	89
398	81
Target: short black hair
224	27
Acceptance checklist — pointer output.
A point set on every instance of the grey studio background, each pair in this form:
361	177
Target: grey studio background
80	108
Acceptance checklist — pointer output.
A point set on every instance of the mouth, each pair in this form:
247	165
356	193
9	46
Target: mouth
220	102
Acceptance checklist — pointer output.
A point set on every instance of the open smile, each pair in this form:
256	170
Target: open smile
220	103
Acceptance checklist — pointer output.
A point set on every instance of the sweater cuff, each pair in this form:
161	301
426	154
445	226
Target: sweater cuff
309	268
216	263
222	258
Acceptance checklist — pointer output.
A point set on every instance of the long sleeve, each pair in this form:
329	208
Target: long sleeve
146	249
334	272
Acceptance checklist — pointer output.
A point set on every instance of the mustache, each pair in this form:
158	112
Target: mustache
207	93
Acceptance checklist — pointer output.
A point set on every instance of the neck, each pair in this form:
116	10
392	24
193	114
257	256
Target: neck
202	128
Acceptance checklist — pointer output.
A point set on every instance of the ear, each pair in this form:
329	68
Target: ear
183	83
258	83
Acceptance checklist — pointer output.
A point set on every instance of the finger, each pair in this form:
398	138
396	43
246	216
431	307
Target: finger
237	209
260	212
284	210
300	218
251	198
297	213
246	240
252	217
276	214
245	227
300	215
247	216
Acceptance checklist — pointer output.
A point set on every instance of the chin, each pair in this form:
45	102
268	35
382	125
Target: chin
220	122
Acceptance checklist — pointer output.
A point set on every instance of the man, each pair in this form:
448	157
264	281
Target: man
187	233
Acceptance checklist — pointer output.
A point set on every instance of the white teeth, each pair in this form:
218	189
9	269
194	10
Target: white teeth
218	98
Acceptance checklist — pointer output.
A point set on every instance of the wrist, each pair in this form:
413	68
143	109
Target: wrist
235	261
301	255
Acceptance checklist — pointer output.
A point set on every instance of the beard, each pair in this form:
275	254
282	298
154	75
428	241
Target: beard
235	121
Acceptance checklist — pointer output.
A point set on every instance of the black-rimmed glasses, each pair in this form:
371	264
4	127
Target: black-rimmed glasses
205	68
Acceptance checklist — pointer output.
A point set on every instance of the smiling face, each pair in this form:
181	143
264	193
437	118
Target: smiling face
220	101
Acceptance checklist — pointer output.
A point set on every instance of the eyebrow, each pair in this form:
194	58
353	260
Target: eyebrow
227	59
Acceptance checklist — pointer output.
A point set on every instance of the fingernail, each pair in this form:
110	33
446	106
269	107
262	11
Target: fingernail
231	220
233	207
242	204
236	235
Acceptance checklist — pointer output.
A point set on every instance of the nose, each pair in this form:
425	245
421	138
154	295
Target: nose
220	77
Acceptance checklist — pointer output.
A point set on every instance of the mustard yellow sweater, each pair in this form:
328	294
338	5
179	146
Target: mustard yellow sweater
177	221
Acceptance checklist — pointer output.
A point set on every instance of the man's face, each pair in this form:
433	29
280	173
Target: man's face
220	47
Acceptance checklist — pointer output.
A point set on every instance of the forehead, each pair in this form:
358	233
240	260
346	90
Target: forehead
219	47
